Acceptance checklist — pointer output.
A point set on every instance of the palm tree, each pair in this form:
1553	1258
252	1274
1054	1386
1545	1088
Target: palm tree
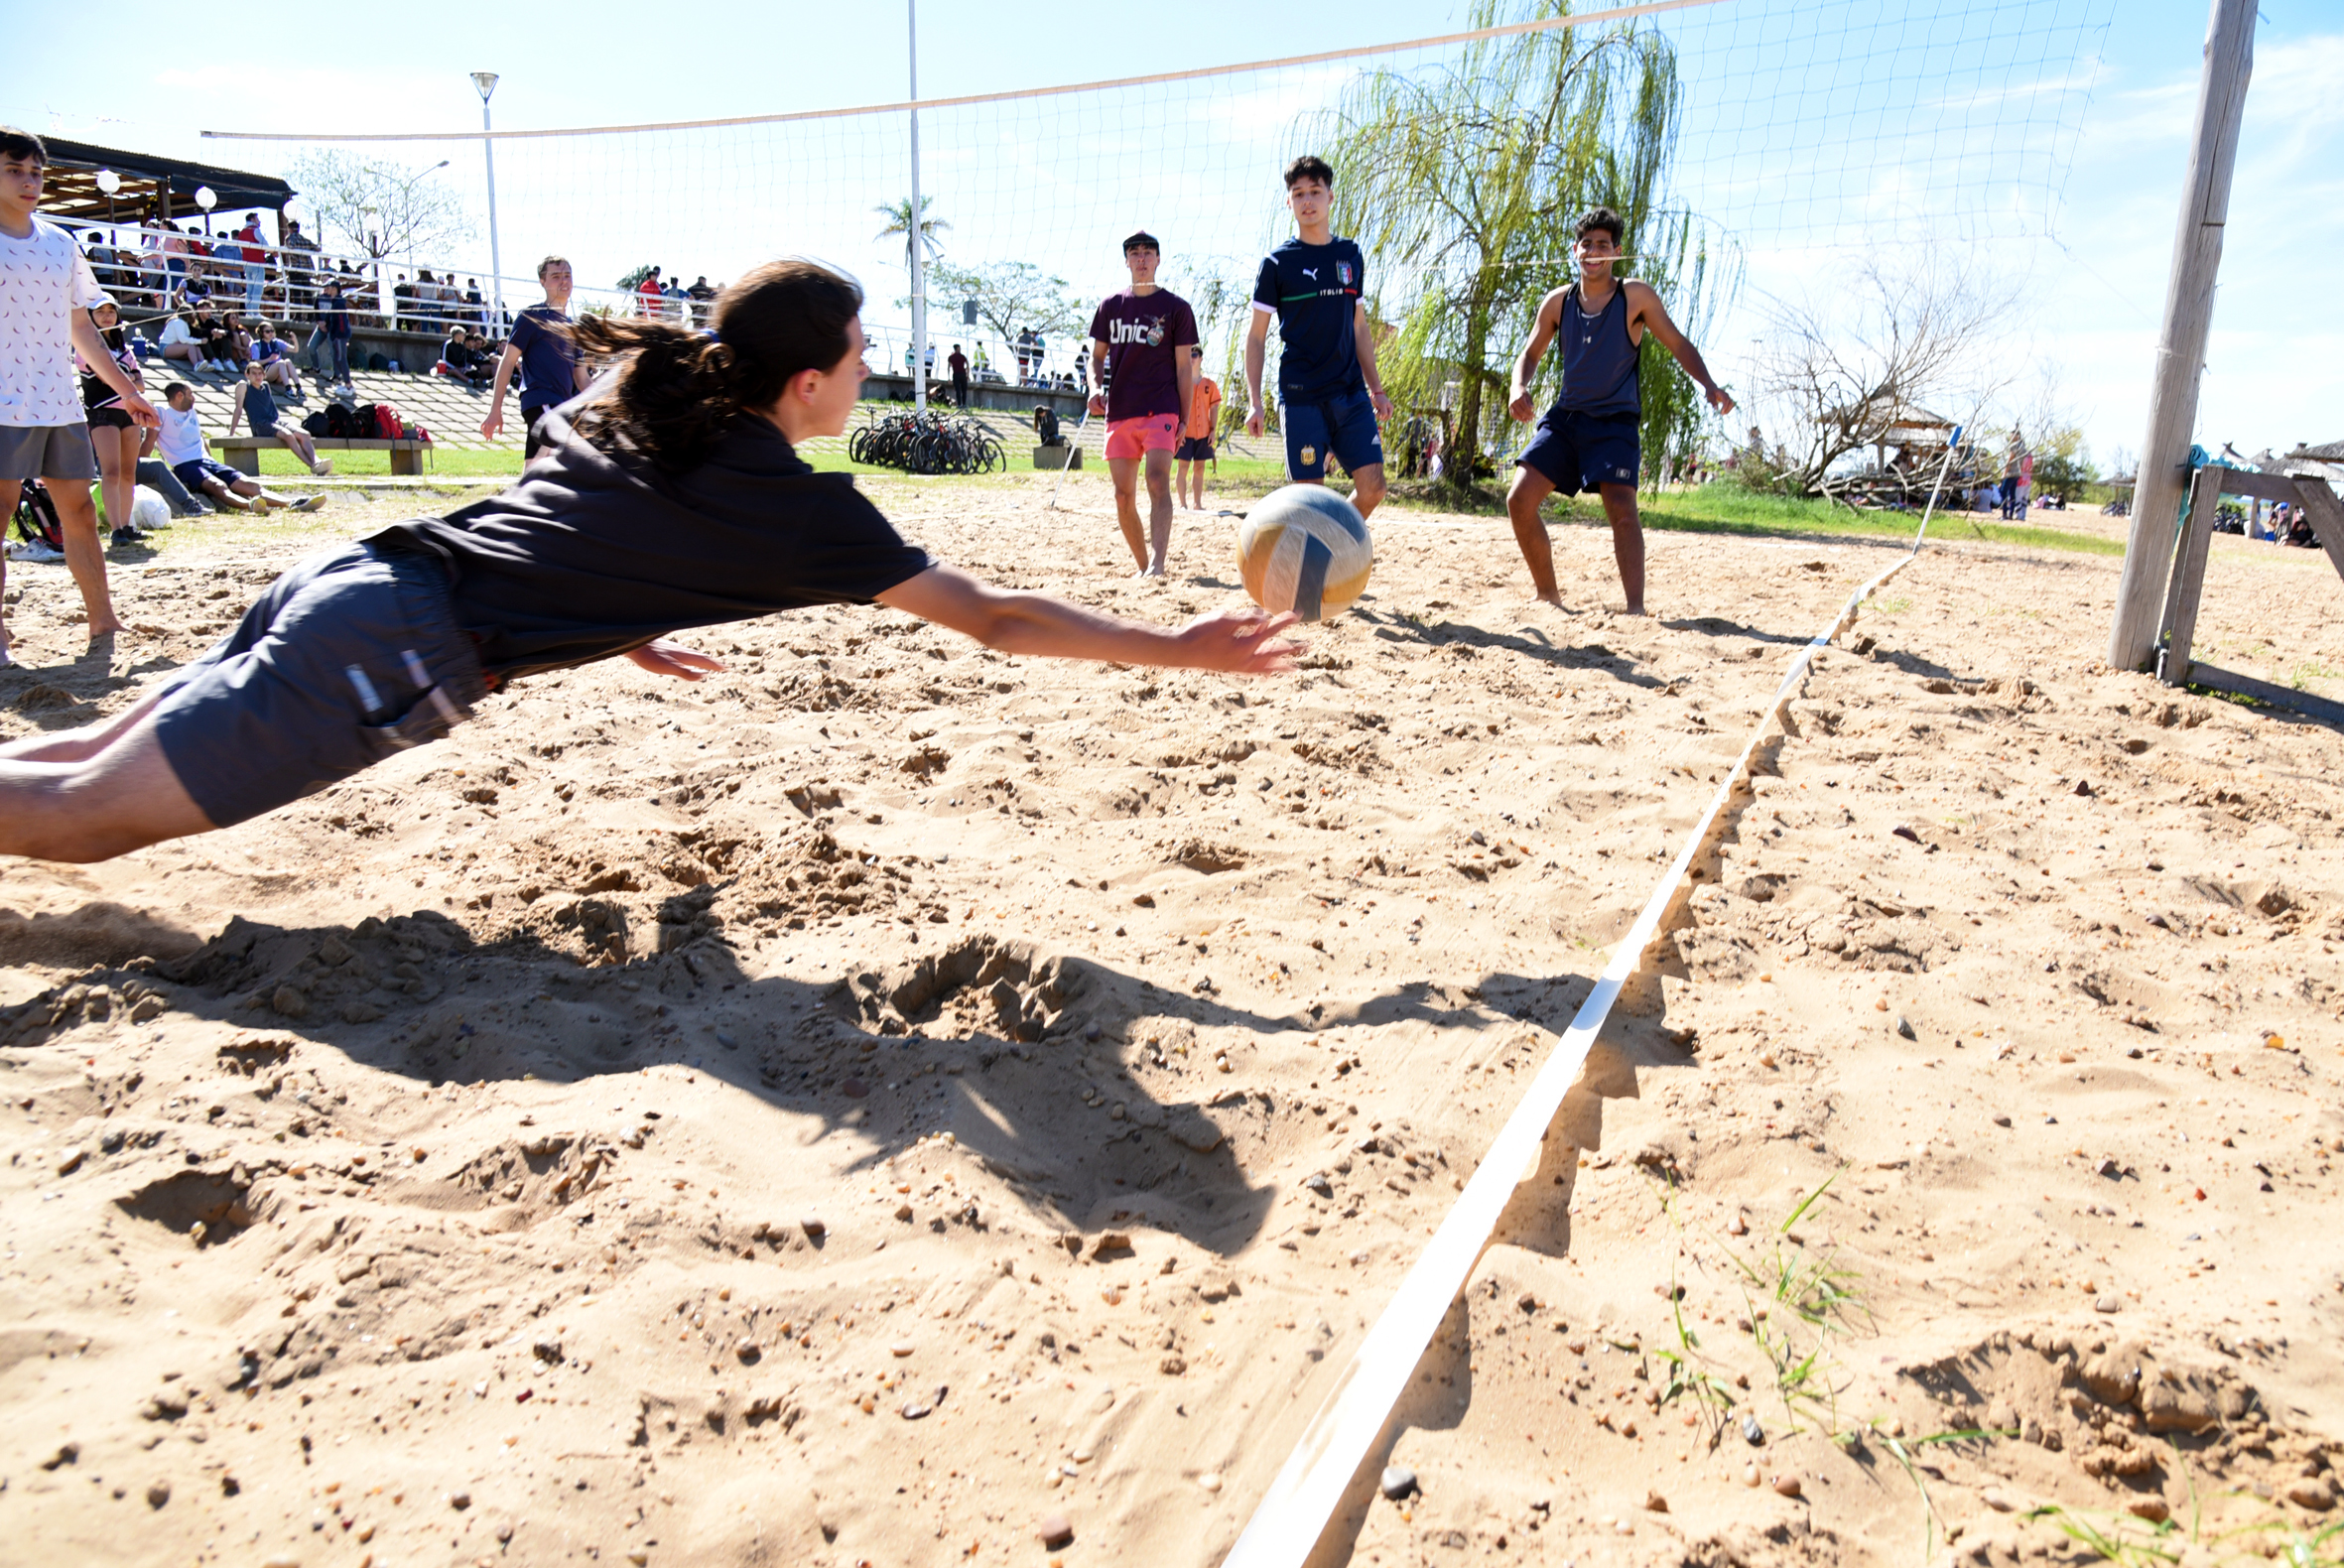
899	221
1463	184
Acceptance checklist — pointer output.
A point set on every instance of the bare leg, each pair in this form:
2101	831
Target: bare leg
1530	490
232	500
1367	489
1159	511
118	469
1628	542
85	553
124	798
1125	472
299	444
78	745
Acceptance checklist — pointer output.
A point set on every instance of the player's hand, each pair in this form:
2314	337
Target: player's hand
1098	405
1243	640
1719	400
673	658
1521	408
492	424
1381	404
141	412
1253	422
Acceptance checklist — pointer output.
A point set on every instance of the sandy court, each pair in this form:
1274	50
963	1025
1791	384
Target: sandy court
893	1100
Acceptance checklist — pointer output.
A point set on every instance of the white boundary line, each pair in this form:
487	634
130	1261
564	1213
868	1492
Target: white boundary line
1293	1513
1511	30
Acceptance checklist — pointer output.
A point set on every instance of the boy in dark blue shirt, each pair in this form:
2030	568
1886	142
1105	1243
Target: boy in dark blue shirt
1328	394
546	359
1592	439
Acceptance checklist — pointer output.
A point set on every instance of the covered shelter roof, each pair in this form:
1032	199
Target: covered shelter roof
151	184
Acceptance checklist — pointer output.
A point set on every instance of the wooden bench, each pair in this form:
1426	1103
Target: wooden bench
244	451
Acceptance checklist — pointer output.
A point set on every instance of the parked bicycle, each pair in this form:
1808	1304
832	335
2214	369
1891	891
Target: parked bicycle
927	443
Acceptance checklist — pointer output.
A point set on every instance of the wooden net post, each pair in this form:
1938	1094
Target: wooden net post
2181	350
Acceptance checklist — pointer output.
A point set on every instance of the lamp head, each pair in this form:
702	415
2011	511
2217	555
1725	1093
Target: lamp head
486	81
206	197
108	181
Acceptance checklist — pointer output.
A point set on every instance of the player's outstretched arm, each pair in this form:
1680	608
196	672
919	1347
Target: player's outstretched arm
1525	363
1234	641
1646	301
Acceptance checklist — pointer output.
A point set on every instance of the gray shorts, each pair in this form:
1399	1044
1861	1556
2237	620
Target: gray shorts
348	658
46	451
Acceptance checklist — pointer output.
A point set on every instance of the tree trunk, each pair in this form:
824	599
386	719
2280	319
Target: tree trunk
1469	388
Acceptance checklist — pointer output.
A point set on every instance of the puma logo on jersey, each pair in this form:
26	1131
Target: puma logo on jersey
1311	273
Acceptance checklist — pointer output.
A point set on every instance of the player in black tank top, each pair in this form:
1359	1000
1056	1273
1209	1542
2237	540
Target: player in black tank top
1590	438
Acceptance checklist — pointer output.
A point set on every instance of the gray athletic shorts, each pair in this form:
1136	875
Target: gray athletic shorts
46	451
351	656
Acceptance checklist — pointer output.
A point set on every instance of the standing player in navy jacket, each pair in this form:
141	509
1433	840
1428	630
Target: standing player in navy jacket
1592	439
1328	394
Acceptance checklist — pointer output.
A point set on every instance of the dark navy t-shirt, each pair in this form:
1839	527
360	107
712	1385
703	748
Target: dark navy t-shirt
593	553
549	359
1315	290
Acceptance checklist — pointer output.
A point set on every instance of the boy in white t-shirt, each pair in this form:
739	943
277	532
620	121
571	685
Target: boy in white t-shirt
47	290
180	441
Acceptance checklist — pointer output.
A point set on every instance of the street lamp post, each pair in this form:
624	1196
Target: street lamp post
487	80
206	199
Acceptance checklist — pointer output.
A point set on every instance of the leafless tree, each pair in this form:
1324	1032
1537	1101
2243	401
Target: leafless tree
381	208
1868	350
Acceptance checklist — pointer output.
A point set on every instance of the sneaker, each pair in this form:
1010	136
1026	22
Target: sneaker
34	549
325	466
308	503
123	536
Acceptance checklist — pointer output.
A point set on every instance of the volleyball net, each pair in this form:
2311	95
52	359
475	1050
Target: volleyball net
1787	131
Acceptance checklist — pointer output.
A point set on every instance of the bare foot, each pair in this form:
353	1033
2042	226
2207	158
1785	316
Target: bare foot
1633	609
1554	598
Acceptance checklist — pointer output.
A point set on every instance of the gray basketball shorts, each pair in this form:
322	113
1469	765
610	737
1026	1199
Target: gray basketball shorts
47	452
350	657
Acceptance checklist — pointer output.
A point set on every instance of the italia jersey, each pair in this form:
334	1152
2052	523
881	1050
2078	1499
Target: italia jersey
1314	290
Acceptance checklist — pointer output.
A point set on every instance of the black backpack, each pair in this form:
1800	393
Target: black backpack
340	423
318	424
36	517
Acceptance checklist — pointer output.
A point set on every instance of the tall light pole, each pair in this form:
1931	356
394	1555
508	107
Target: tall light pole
486	81
919	365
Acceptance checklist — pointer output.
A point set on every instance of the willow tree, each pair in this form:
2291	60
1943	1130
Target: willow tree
1463	183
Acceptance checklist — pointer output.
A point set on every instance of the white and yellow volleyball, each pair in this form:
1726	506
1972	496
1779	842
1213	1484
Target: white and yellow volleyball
1304	549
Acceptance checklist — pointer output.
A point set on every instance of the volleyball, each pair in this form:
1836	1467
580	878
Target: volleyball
1304	549
149	511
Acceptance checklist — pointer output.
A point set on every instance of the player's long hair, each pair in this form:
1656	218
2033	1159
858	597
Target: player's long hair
682	390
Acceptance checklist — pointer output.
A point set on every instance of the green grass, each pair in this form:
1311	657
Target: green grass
1729	509
481	463
1711	509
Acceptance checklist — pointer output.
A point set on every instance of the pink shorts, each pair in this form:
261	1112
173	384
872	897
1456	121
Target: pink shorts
1133	437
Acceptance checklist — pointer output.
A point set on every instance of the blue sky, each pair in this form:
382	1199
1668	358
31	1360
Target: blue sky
2084	309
